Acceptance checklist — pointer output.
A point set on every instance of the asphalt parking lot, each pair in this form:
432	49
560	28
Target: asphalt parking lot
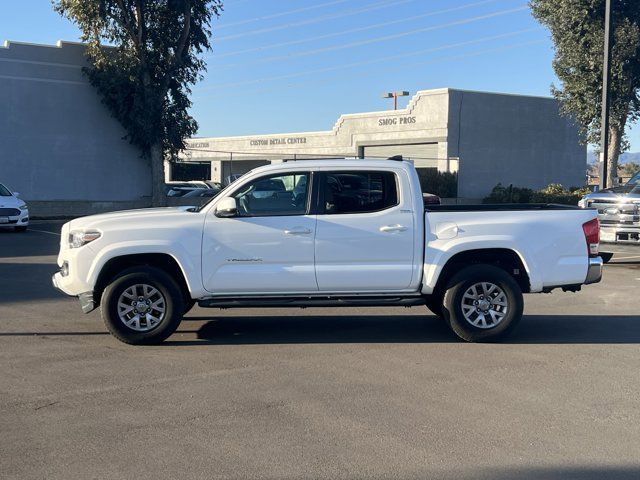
348	393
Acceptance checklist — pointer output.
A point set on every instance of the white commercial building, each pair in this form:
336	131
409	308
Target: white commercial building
488	138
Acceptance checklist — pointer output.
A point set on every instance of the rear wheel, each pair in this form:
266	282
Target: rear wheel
482	303
606	256
143	305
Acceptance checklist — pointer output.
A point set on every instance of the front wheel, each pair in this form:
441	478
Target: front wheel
20	228
143	305
482	303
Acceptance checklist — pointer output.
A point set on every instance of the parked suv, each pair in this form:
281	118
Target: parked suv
13	211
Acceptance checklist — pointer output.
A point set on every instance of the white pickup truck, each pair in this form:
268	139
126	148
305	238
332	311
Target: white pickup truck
325	233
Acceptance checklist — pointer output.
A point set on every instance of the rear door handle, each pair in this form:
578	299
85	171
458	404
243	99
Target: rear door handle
393	228
297	231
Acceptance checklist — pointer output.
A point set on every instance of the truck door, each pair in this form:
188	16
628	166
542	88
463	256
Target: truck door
364	232
269	246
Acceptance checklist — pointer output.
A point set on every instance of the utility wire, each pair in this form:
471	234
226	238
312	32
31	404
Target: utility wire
379	39
369	62
394	36
354	30
280	14
375	6
472	54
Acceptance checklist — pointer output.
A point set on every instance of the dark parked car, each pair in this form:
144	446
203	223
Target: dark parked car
201	192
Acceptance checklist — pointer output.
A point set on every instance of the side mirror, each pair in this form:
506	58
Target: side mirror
16	194
227	208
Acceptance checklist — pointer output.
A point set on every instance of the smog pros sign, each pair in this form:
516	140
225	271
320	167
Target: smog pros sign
389	121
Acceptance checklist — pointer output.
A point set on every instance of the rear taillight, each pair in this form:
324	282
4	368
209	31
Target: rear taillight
591	231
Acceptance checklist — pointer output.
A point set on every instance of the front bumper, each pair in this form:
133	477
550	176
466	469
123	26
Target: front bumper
594	272
21	220
619	239
87	301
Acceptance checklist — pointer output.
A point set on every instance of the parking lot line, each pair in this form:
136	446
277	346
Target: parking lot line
43	231
626	258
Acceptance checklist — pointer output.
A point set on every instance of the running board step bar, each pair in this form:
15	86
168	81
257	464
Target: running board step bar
282	302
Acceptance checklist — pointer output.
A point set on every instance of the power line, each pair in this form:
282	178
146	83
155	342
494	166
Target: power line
371	61
472	54
394	36
375	6
280	14
355	30
379	39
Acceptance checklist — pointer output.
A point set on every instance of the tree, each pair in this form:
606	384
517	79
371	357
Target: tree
577	29
630	169
146	71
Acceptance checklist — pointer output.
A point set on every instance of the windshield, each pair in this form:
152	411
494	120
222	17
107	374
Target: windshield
635	180
4	191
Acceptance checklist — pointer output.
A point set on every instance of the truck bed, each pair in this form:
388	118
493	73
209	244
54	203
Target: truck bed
497	207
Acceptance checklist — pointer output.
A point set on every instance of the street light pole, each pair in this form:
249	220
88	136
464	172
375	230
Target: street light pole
606	76
395	96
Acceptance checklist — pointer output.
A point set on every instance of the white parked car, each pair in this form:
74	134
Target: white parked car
325	233
14	212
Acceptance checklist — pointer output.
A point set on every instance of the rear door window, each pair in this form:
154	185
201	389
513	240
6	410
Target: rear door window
358	191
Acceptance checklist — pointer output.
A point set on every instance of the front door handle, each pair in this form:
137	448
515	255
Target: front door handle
297	231
393	228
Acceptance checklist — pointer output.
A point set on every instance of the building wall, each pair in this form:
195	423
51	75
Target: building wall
512	139
57	140
424	120
487	137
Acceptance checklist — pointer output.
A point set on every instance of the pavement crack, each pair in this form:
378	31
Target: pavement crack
46	405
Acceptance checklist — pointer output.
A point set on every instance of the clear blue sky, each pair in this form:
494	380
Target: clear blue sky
296	65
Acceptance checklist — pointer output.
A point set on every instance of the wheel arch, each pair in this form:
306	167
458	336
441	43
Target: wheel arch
507	259
161	261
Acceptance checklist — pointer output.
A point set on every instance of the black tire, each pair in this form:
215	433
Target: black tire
606	256
434	303
21	228
453	301
164	284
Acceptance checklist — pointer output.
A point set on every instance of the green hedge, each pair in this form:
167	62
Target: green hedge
554	193
443	184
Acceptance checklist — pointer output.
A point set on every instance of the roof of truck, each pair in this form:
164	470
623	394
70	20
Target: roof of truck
322	164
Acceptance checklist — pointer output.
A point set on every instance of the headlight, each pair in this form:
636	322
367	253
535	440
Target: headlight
78	238
23	207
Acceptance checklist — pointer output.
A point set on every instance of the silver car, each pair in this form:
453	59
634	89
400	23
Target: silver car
619	214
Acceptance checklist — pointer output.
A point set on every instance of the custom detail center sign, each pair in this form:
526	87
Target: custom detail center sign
265	142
